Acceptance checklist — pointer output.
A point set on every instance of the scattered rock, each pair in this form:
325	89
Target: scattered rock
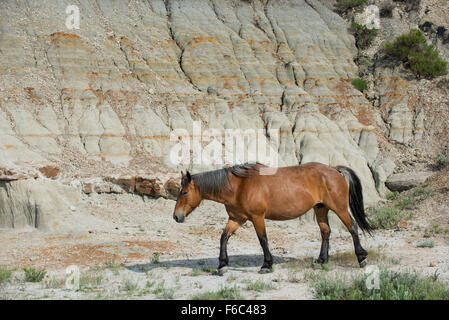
9	174
127	183
405	181
50	171
403	224
172	188
211	90
148	186
88	188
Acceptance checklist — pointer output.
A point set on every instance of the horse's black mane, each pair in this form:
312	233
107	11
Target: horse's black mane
212	182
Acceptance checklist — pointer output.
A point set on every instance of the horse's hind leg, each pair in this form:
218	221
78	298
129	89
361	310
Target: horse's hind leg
323	223
259	225
351	225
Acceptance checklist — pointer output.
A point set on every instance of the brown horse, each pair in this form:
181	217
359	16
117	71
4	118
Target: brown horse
287	194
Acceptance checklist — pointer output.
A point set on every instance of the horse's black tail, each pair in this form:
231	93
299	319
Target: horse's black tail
355	198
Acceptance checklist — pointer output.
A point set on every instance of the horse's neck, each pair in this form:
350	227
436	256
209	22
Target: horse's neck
226	196
216	198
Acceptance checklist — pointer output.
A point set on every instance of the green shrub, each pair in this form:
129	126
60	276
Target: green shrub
364	36
426	244
259	286
162	292
442	160
5	274
421	58
392	195
34	275
435	229
90	281
224	293
112	265
401	209
392	286
387	217
346	5
155	258
359	84
130	286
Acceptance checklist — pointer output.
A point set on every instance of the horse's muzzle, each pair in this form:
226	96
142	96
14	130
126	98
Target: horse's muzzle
179	217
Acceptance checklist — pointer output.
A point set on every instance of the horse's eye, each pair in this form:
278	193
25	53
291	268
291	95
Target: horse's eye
185	192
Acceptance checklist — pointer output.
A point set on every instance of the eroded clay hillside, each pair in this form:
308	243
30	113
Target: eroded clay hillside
90	110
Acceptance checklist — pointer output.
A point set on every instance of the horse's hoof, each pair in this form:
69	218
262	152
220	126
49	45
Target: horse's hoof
221	271
265	270
363	263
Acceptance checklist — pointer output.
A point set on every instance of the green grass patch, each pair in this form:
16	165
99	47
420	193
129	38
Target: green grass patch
5	275
392	195
426	244
392	286
34	275
387	217
162	292
201	271
442	160
359	84
260	286
111	264
400	209
90	281
129	286
156	257
224	293
435	229
421	58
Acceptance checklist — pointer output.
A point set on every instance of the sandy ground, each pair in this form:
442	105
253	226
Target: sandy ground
147	255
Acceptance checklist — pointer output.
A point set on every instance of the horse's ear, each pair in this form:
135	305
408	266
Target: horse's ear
189	177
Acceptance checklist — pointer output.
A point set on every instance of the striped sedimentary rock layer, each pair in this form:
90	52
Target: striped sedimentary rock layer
103	99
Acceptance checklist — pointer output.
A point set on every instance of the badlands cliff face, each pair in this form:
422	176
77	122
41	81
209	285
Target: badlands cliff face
91	109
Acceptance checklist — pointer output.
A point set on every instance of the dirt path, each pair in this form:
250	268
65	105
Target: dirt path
149	256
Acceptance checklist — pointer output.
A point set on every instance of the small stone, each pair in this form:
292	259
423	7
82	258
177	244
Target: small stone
403	224
88	188
432	264
211	90
50	171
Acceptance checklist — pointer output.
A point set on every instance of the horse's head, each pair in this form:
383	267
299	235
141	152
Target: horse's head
188	198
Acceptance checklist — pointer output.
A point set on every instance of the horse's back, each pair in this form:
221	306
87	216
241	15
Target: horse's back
291	191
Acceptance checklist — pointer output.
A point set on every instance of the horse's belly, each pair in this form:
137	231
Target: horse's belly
285	208
286	211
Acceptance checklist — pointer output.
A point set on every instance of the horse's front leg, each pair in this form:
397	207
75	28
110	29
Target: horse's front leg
231	227
259	225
